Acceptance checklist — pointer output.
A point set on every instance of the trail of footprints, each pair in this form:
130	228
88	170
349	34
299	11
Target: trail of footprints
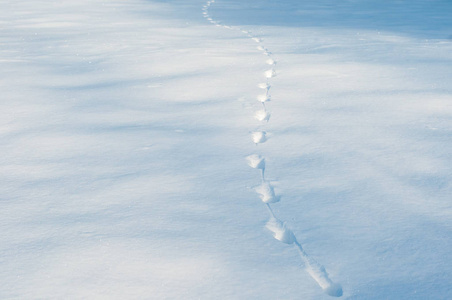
265	190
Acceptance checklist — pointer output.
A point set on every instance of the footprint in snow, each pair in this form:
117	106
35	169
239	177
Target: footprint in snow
320	275
264	86
270	73
270	62
256	161
267	193
280	231
259	137
262	115
263	98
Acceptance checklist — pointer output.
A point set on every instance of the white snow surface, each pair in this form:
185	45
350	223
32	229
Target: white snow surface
125	129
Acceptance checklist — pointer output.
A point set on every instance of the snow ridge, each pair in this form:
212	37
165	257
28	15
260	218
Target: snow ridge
278	228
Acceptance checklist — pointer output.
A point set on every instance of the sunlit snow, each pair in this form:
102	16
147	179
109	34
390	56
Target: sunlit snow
139	160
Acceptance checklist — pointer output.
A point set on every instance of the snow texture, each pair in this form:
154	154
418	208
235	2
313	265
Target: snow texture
139	159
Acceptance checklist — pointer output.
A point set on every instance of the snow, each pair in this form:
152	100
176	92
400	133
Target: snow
139	159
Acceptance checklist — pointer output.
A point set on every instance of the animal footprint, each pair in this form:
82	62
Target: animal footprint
280	231
263	98
270	73
256	161
267	193
262	115
259	137
264	86
270	62
319	274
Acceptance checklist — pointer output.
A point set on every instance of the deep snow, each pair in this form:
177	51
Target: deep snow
126	128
